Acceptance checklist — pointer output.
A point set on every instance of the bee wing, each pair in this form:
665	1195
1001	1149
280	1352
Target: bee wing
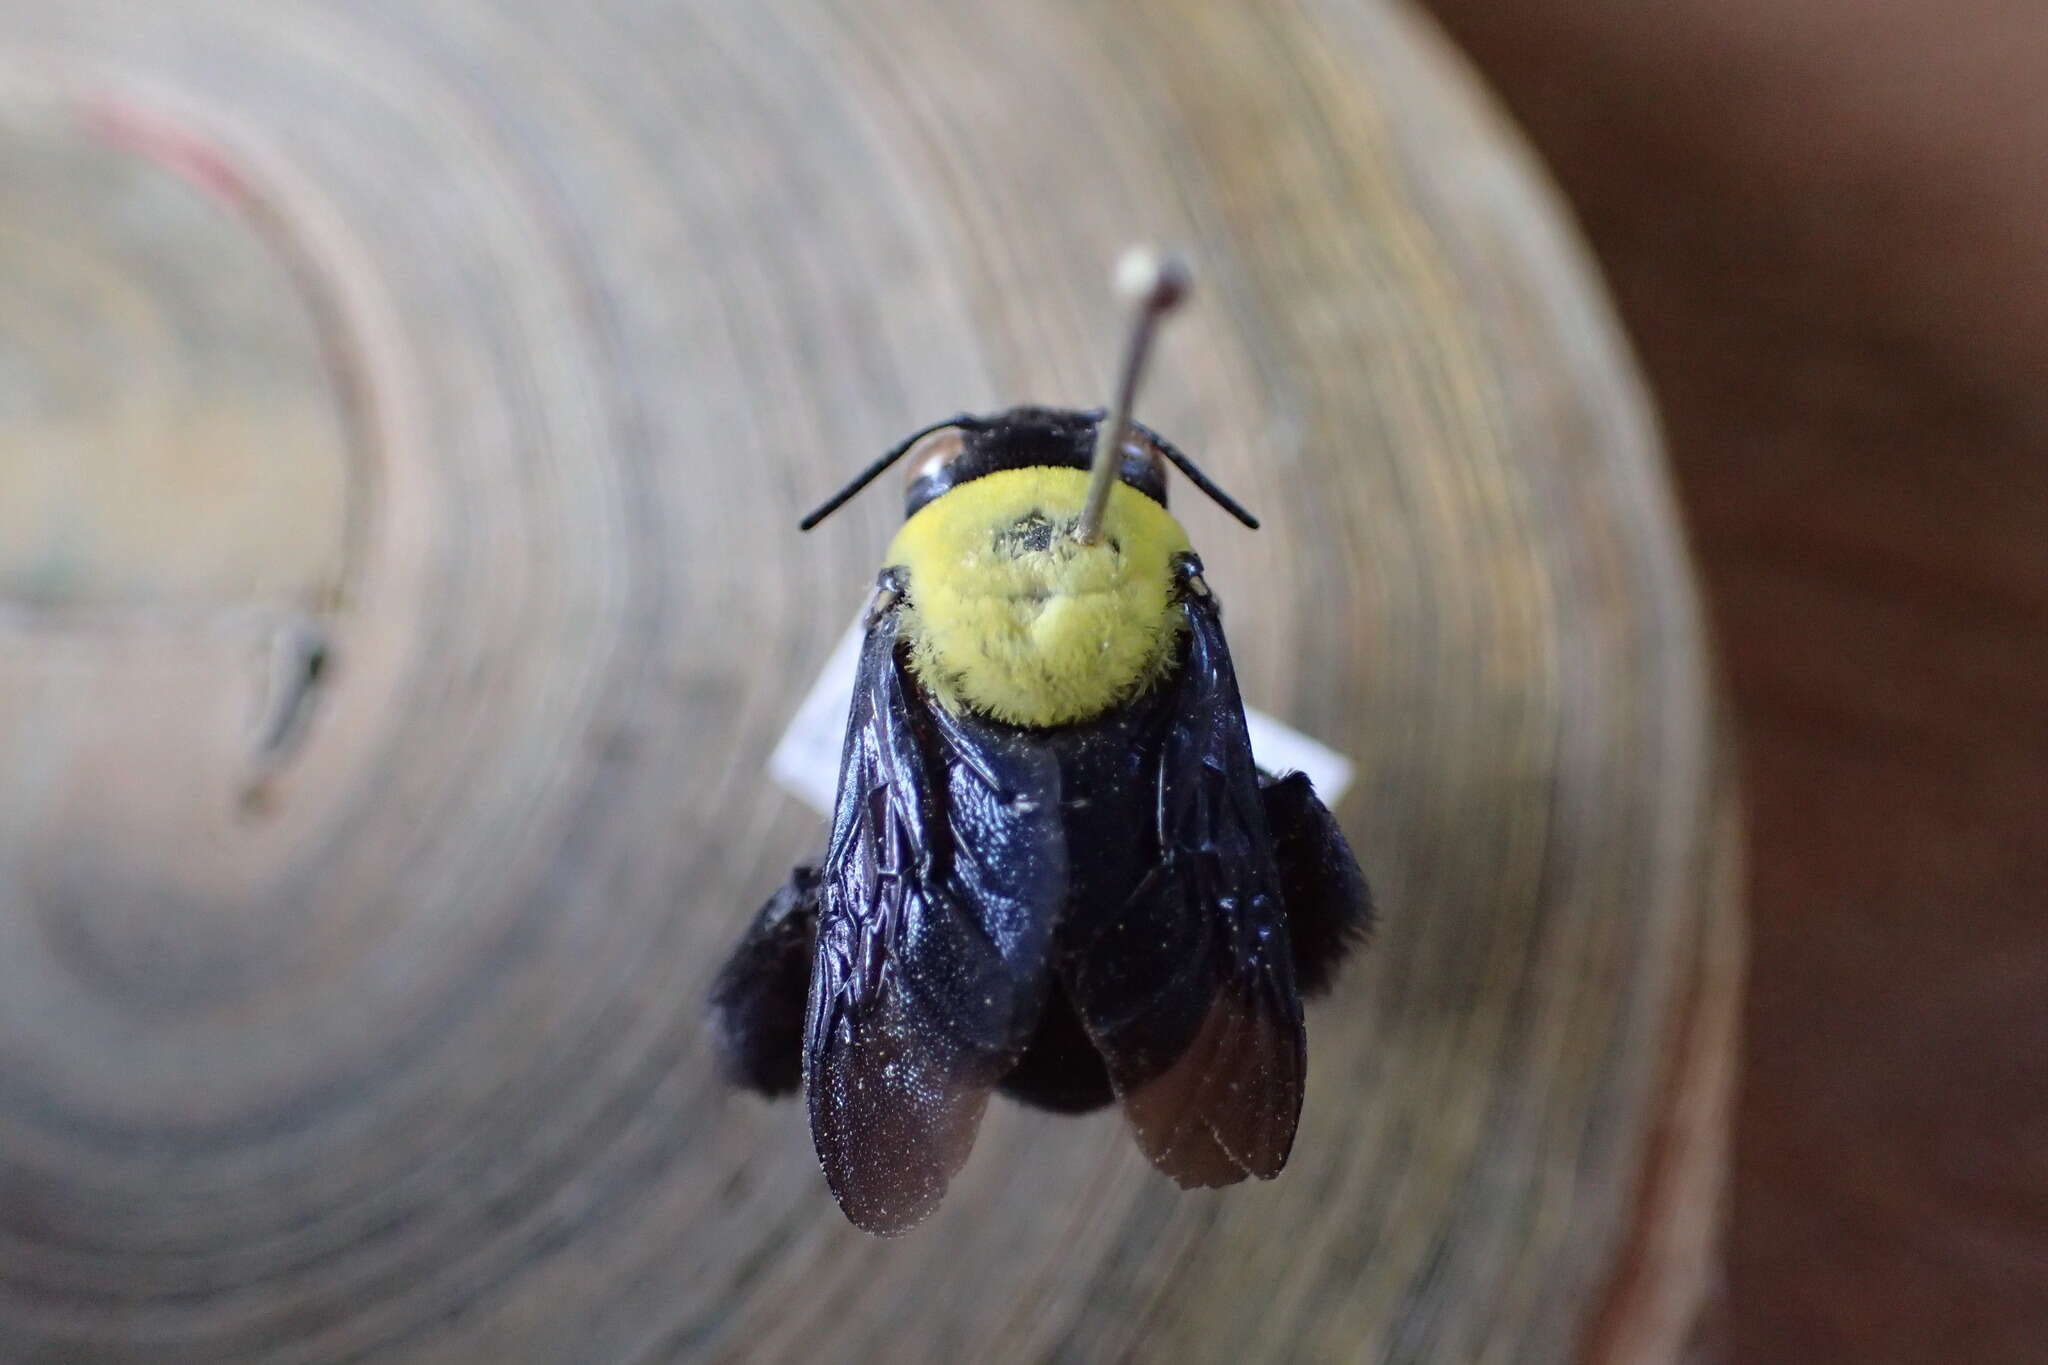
937	898
1189	992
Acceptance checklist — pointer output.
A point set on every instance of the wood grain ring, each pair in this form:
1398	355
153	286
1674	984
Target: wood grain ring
412	1067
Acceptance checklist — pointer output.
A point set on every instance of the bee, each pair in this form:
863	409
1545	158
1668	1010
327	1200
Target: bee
1054	869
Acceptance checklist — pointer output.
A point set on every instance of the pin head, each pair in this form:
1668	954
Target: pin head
1155	281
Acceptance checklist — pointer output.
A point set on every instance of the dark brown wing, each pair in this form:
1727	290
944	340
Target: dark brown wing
937	900
1189	991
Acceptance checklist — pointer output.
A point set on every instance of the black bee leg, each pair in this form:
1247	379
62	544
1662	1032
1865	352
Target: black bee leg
1187	572
1329	909
758	1000
891	584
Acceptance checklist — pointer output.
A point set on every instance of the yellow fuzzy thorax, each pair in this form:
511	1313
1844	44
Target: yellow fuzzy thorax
1033	628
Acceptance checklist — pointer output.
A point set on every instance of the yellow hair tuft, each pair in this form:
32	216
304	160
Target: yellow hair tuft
1009	616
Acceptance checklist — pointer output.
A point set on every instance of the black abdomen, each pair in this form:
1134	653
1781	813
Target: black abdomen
1109	802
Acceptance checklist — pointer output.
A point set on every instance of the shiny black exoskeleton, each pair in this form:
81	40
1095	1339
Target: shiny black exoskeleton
1121	909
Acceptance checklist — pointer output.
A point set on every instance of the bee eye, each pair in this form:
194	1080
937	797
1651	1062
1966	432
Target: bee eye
934	453
1139	446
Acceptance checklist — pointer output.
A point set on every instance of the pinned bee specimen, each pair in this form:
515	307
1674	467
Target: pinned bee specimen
1054	869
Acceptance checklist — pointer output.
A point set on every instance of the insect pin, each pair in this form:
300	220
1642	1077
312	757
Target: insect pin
1054	869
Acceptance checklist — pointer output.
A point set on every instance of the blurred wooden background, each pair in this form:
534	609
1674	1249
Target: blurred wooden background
484	355
1823	225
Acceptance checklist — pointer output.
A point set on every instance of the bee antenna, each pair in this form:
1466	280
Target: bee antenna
879	467
1201	480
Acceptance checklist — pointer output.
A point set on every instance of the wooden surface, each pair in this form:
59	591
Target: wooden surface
405	1060
1823	234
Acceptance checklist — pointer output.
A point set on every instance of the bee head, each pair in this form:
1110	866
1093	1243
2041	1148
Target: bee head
960	449
967	448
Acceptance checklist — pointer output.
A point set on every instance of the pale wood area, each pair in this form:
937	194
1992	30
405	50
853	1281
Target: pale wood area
500	347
